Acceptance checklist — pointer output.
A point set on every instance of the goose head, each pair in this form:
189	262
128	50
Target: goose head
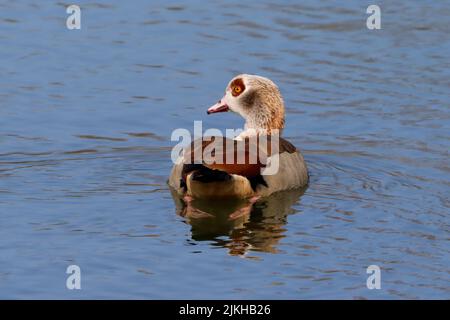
257	99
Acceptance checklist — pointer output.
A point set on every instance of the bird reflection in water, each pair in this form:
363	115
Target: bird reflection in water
239	225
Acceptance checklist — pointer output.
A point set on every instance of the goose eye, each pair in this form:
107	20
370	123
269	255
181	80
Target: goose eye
237	87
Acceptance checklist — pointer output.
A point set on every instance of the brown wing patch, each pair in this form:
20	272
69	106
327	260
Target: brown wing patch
245	158
223	155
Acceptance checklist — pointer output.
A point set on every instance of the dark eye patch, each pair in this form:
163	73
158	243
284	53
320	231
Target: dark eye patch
237	87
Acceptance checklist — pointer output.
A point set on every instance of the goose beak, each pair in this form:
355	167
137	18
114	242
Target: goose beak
220	106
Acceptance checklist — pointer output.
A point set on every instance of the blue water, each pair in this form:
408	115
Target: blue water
85	123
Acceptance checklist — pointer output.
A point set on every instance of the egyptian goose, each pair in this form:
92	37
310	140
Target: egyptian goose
259	102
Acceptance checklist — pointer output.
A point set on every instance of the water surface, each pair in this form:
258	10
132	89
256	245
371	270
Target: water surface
85	123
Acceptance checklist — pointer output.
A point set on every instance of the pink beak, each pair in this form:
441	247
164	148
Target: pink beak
218	107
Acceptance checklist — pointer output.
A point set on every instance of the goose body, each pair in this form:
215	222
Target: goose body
259	101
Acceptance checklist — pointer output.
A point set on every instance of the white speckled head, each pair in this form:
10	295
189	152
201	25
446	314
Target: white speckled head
257	99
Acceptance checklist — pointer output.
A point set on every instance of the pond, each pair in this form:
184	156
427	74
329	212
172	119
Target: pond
86	118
